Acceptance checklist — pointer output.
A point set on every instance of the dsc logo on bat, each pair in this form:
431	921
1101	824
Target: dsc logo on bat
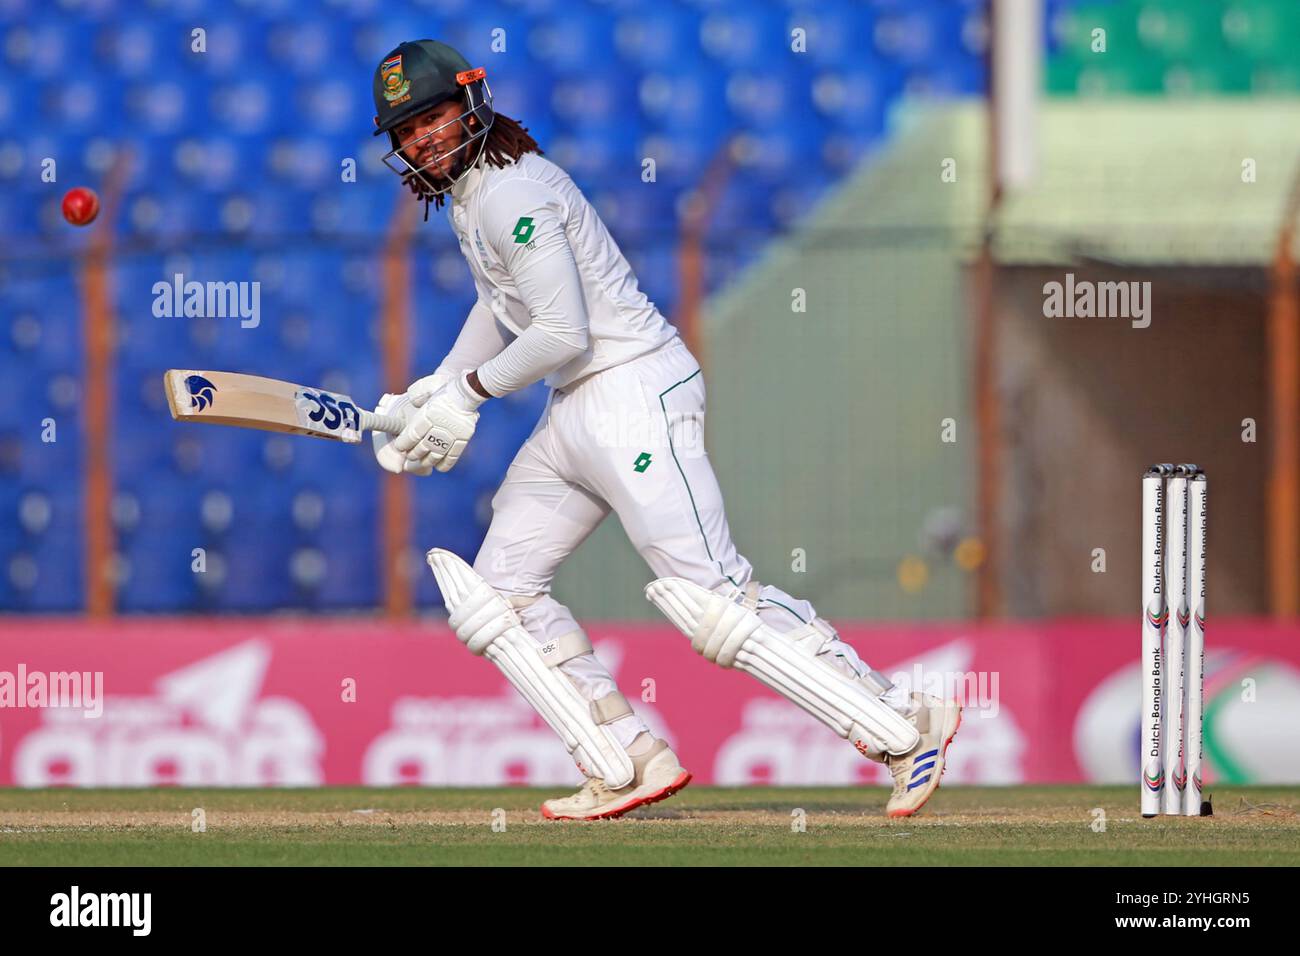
330	412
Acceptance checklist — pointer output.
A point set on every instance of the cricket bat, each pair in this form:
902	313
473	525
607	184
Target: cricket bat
251	401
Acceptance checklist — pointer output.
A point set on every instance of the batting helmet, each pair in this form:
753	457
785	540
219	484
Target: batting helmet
415	77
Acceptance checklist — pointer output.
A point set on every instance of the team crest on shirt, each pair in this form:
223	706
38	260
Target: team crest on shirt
396	85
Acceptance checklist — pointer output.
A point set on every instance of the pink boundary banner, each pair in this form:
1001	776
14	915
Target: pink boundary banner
336	701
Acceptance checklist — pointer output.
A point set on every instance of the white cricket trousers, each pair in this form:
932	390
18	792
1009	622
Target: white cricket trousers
628	439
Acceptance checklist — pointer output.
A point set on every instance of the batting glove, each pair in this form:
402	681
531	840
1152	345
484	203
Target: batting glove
438	431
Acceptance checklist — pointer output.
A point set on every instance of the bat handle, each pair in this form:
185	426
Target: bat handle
370	421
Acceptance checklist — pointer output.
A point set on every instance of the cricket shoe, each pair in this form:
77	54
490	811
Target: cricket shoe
917	773
658	775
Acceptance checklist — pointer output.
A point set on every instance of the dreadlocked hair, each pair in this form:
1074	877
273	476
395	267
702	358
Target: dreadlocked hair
505	142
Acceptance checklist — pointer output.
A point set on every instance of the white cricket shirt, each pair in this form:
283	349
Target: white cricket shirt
556	298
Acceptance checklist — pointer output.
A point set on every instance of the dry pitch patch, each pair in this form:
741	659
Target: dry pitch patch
963	826
960	807
37	821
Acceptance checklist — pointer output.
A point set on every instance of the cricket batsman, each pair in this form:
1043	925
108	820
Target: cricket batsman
557	301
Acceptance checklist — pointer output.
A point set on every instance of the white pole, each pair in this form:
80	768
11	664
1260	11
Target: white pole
1154	616
1171	688
1193	710
1018	82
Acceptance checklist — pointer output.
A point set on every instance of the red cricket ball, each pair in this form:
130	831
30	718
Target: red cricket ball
80	206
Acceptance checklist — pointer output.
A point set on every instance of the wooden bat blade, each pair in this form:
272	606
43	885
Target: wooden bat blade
251	401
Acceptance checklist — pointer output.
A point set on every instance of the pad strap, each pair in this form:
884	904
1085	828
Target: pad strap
565	648
610	708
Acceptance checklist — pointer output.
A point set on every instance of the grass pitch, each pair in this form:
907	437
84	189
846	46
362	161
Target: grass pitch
962	826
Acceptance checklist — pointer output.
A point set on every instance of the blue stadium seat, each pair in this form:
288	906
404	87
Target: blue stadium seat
172	215
49	575
310	278
170	105
150	164
213	454
856	98
11	533
40	50
252	104
144	445
836	31
39	392
211	162
771	156
311	462
598	98
571	40
532	8
39	143
589	155
307	159
47	509
11	99
159	573
229	45
370	37
736	34
82	104
352	210
257	572
768	97
139	394
227	343
474	33
307	46
16	92
742	211
331	104
52	464
680	157
650	38
44	335
142	49
156	503
631	211
351	570
690	96
19	215
920	33
439	317
149	342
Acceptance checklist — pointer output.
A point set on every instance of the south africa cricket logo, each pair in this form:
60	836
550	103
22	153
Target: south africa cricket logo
395	82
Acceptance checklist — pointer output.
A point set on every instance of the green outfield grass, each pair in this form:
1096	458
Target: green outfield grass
962	826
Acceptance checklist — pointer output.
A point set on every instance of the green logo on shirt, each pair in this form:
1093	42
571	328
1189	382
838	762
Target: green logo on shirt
523	229
642	463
